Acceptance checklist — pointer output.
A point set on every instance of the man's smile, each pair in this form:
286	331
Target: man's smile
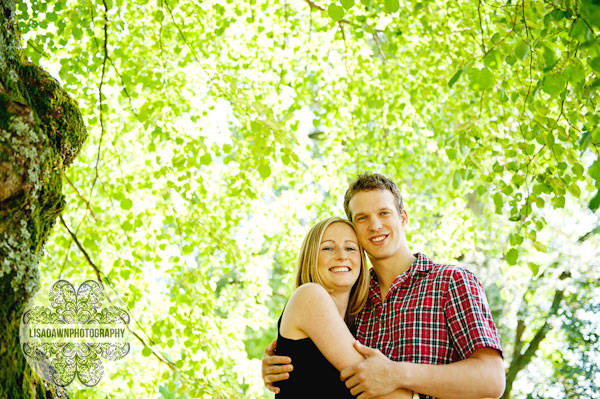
378	239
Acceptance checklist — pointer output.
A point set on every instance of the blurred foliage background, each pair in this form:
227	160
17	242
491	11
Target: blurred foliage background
221	130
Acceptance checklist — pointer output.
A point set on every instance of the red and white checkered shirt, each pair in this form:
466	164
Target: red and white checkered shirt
433	314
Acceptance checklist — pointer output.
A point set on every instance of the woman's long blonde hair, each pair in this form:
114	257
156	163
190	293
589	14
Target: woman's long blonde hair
308	271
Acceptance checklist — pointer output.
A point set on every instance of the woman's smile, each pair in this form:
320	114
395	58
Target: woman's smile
339	257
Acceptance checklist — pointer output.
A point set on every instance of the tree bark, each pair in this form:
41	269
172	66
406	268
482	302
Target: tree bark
41	132
521	360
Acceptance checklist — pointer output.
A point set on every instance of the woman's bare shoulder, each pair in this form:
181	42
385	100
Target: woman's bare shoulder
310	294
308	299
311	289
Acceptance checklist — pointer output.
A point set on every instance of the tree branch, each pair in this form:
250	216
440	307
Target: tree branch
87	204
520	361
192	50
83	251
99	275
524	19
315	6
481	26
518	344
285	33
102	128
381	54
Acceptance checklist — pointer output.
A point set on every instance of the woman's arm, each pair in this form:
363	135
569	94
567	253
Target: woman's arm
312	311
397	394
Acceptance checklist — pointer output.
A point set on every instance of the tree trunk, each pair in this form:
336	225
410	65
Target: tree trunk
41	132
522	360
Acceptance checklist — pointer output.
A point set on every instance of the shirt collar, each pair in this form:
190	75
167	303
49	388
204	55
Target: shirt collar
422	265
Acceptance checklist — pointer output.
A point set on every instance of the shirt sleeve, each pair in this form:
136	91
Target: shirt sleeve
468	315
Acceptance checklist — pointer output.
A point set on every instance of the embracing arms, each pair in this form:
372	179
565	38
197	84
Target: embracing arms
479	376
469	324
311	312
275	368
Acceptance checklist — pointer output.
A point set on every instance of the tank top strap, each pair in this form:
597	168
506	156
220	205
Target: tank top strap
281	316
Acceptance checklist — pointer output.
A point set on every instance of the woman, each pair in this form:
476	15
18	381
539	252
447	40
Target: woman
331	287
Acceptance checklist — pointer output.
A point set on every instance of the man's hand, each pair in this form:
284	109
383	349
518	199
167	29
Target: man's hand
275	368
372	377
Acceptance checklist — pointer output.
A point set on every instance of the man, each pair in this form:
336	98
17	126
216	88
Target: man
430	323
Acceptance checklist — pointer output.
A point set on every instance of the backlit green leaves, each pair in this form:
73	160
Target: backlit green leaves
521	50
549	58
595	64
594	172
412	90
595	202
264	171
580	31
498	202
554	83
335	11
515	239
391	6
591	11
347	4
575	71
492	59
510	60
481	79
454	78
126	204
574	190
511	256
534	268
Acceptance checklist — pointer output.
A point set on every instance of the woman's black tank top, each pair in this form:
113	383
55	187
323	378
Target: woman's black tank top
313	376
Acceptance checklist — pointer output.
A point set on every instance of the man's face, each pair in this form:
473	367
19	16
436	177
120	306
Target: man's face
380	228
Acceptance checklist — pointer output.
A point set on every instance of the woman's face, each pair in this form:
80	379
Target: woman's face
339	257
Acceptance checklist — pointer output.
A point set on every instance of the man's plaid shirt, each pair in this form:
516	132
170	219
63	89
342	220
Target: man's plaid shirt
433	314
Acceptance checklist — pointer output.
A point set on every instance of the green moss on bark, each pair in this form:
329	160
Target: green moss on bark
59	115
18	379
38	140
41	132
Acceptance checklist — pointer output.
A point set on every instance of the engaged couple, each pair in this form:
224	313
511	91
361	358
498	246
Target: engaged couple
408	328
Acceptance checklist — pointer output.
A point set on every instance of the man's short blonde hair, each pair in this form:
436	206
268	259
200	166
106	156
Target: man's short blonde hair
368	182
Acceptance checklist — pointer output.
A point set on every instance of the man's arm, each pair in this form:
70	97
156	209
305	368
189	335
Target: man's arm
479	376
275	368
312	310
